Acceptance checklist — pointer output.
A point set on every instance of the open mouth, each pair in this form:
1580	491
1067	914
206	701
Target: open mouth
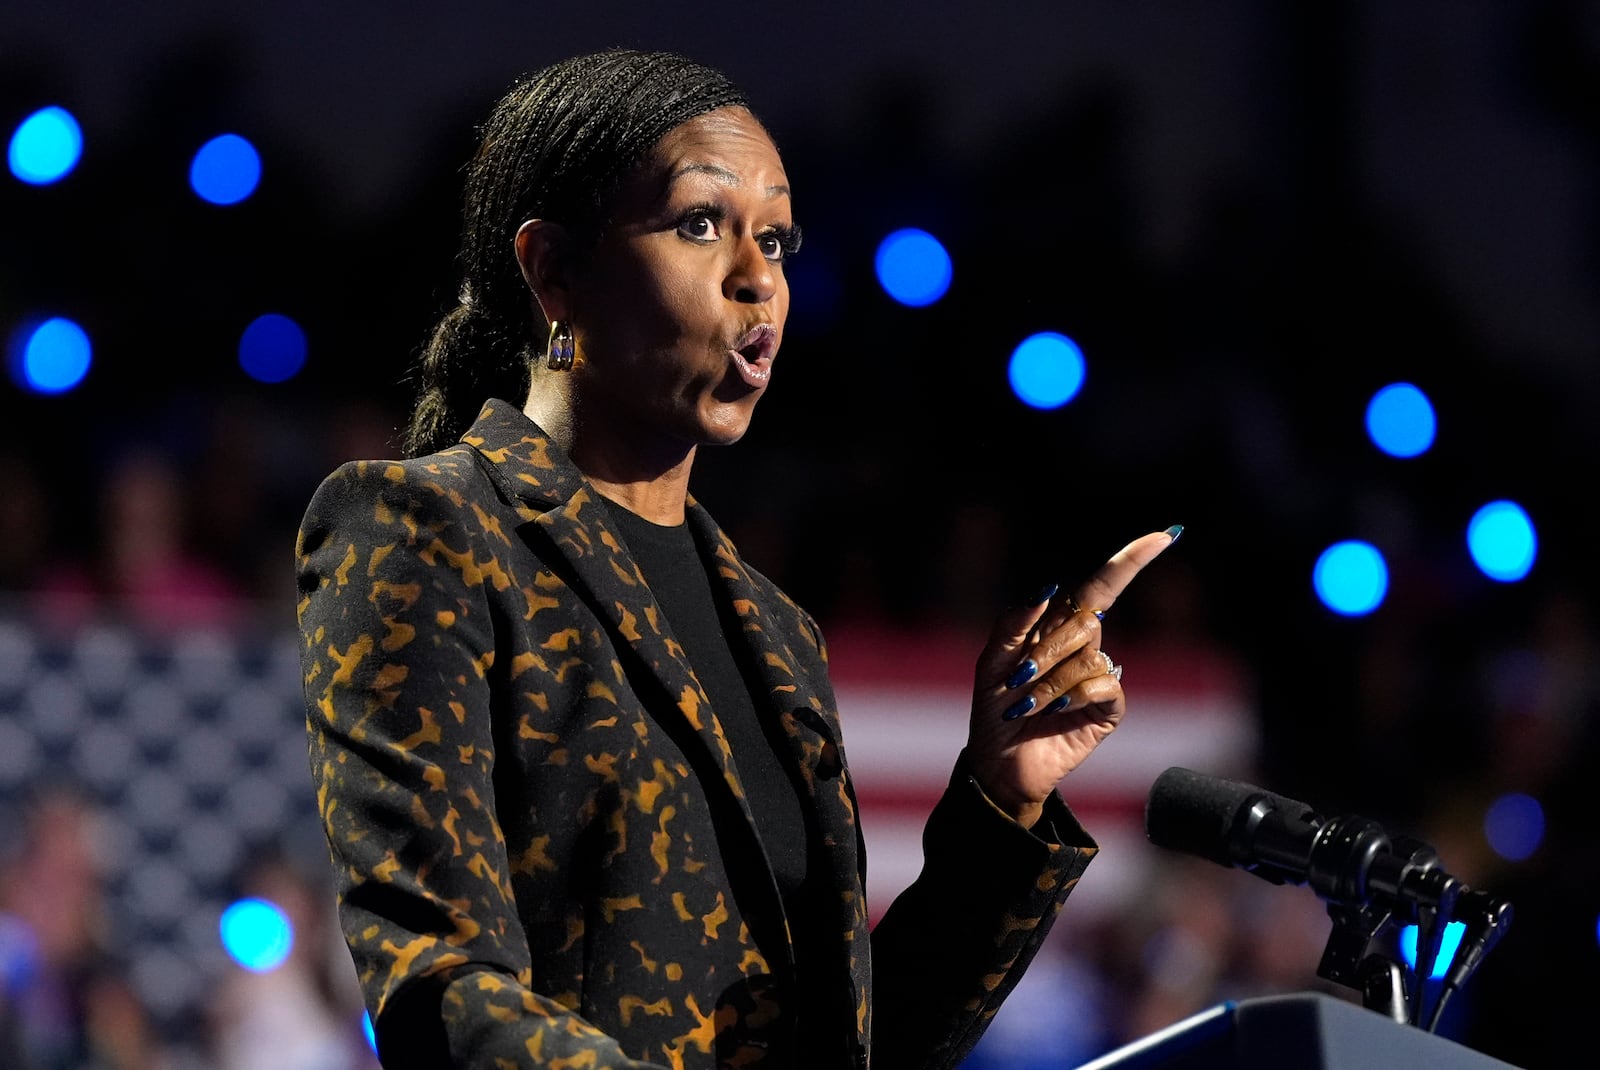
752	354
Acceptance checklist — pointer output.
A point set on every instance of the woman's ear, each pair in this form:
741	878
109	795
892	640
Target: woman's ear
541	253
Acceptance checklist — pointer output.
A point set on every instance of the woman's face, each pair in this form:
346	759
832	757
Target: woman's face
678	313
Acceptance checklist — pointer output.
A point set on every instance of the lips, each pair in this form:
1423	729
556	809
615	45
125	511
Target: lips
752	354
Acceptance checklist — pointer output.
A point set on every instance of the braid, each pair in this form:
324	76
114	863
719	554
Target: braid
459	370
556	146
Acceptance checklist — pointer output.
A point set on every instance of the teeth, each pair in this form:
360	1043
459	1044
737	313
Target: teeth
754	371
754	353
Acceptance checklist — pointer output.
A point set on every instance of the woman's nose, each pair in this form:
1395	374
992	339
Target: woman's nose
753	278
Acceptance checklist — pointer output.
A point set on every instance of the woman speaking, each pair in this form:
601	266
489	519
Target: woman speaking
579	763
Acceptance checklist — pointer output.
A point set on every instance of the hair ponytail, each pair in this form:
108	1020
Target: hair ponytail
468	359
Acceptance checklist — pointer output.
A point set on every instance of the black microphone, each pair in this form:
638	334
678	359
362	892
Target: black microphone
1347	860
1369	879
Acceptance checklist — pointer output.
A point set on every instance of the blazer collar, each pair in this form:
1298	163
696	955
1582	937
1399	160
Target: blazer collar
526	464
531	468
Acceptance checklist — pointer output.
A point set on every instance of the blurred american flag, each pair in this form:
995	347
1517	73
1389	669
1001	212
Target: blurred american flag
904	699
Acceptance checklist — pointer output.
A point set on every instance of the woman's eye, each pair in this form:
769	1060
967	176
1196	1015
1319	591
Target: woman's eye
780	243
699	227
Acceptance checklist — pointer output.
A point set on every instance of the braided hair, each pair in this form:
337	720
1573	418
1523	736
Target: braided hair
556	146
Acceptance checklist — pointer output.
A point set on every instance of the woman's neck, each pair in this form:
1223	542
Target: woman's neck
659	498
642	473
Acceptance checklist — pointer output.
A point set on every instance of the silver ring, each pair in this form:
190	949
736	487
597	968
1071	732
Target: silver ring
1112	667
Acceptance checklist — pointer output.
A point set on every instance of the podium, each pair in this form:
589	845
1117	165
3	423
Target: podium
1299	1031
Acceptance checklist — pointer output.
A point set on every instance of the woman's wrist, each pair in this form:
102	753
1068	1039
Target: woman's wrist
1024	811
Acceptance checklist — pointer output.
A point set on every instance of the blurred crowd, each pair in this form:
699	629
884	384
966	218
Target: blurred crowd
68	1000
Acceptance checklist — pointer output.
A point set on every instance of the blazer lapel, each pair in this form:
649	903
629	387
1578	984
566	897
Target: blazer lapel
772	627
802	698
618	593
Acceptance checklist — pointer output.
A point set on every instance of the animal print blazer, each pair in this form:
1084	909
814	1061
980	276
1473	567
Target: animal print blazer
543	854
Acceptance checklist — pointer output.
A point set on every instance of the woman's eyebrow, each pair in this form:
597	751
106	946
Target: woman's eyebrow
724	175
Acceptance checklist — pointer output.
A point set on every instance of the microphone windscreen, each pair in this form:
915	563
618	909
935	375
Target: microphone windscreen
1194	813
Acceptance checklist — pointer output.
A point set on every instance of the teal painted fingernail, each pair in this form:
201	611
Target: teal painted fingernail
1057	706
1042	595
1175	530
1018	708
1022	675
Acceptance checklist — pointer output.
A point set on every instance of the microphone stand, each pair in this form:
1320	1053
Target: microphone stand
1375	885
1346	961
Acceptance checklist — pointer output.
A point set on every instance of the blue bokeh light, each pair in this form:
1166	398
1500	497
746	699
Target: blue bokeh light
272	348
368	1031
913	267
1448	945
257	934
225	170
1046	370
49	357
45	147
1351	578
1502	541
1401	421
1514	826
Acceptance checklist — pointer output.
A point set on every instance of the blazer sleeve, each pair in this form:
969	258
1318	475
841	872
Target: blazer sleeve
953	944
396	577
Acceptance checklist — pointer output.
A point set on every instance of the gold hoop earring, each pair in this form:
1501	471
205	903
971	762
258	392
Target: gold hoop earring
561	348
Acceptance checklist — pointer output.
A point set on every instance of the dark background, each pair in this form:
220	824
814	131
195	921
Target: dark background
1249	214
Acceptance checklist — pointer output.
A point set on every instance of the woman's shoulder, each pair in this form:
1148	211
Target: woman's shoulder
453	465
446	481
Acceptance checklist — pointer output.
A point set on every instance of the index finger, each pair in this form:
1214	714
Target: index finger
1099	591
